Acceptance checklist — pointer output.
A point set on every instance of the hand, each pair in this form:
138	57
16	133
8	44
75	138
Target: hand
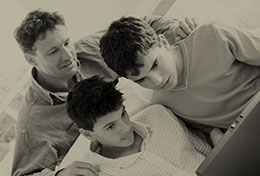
216	134
79	168
185	27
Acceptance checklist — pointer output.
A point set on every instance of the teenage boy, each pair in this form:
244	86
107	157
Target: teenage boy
145	145
207	78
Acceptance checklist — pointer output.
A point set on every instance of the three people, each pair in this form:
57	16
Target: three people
44	133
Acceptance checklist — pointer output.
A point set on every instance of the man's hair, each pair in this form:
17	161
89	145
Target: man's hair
125	41
34	27
90	99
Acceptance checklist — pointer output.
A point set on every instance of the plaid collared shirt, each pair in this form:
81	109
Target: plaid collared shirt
167	149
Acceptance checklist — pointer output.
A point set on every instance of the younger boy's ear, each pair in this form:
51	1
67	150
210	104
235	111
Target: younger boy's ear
86	133
30	59
163	41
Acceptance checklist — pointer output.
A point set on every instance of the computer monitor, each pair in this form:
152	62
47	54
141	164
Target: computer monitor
238	152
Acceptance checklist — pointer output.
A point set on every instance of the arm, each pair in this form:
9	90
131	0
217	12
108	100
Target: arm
199	143
39	145
79	168
87	50
37	157
29	158
216	135
244	46
173	29
164	25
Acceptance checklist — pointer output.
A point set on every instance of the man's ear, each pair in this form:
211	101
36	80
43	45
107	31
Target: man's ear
30	58
163	41
86	133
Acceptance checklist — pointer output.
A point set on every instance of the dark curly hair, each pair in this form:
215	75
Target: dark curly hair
90	99
34	27
125	41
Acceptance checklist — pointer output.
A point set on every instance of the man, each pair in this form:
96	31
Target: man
44	133
153	142
207	78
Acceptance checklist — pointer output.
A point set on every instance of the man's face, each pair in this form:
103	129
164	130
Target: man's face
55	55
159	71
114	129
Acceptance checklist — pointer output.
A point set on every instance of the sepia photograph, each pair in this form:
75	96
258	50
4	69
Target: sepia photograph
130	87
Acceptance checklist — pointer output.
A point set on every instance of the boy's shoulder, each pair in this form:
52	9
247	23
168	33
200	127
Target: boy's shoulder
209	25
206	33
153	115
209	28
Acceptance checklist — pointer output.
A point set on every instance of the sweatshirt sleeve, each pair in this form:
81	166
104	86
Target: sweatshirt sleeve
243	45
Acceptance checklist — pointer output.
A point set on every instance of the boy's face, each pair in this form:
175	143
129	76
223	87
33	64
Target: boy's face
159	71
113	129
55	56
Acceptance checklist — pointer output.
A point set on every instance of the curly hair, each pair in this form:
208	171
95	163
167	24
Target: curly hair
125	41
90	99
34	27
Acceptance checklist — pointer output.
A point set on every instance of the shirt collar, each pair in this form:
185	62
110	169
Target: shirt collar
48	95
184	84
113	166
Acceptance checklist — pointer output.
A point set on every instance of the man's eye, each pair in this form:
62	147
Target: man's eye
52	51
110	127
66	43
155	64
124	113
140	81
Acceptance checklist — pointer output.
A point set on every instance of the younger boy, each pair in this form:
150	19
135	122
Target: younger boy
144	145
208	78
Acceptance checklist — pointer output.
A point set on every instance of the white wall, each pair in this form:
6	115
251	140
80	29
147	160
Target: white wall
87	16
238	13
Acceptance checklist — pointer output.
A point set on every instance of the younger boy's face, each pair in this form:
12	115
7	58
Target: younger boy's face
114	129
159	71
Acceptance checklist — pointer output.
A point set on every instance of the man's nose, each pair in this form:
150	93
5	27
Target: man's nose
155	77
66	53
124	127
